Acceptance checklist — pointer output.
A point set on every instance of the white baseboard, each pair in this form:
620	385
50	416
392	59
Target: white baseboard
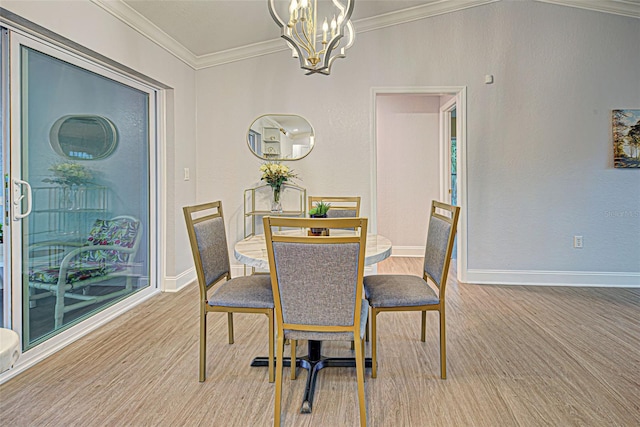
554	278
407	251
176	283
507	277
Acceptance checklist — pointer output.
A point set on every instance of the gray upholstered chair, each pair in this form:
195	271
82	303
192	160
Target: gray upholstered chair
245	294
395	292
341	207
317	289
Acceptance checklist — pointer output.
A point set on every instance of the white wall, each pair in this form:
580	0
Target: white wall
408	167
539	144
88	25
230	98
540	166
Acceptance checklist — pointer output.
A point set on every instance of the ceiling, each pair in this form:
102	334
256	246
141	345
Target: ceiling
206	33
198	26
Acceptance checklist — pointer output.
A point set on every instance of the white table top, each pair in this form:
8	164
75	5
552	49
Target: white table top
252	251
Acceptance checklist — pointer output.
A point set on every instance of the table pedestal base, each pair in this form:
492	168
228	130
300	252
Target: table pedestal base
313	362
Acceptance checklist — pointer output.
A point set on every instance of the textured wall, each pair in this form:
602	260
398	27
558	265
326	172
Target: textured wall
539	151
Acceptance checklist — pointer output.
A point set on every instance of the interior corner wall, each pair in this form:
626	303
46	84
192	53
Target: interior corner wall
87	24
539	144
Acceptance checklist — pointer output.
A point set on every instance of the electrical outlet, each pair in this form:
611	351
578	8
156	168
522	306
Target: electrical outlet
577	242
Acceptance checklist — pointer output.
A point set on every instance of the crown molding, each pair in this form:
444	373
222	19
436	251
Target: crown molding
360	26
616	7
240	53
142	25
416	13
145	27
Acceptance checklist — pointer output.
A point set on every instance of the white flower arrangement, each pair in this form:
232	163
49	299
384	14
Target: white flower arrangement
276	174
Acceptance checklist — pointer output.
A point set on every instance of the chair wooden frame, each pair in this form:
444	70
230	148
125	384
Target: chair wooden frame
192	216
454	212
271	223
338	203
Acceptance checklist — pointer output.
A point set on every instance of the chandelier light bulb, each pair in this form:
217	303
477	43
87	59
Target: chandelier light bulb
293	9
325	28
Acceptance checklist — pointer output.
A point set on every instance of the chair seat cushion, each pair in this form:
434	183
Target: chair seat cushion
244	291
398	290
331	336
118	232
75	273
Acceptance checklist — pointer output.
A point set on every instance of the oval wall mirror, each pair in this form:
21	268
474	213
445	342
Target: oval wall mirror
277	137
83	137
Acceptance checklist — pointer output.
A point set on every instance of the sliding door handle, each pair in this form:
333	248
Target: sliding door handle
18	214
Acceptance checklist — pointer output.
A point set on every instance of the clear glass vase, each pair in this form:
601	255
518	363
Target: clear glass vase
71	193
276	205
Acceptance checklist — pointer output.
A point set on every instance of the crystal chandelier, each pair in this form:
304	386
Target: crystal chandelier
315	35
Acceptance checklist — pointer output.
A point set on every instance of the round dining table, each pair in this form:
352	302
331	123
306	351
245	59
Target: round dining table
252	251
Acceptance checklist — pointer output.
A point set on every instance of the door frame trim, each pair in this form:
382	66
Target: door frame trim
445	148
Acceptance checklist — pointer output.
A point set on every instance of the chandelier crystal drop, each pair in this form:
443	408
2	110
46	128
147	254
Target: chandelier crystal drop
317	31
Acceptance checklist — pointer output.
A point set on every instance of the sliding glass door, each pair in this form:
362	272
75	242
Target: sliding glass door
80	188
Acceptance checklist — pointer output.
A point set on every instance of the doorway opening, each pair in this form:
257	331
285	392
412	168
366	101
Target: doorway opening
418	150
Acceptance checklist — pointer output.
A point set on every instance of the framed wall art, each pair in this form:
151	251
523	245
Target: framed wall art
626	138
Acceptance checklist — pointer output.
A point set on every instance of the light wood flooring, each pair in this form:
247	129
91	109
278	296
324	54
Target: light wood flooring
517	356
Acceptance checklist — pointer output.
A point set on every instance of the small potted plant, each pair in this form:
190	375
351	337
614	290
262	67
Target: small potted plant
319	211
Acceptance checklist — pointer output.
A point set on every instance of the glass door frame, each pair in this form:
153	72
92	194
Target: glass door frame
13	165
4	95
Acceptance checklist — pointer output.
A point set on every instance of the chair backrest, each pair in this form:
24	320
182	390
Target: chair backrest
122	231
205	226
341	207
440	238
316	280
